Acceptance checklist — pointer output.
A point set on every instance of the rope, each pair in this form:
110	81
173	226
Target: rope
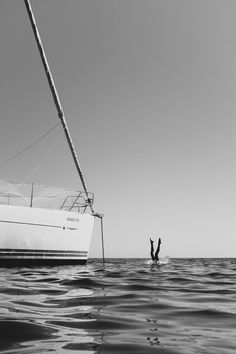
29	146
103	254
100	216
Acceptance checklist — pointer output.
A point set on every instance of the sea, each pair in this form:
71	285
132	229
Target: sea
182	306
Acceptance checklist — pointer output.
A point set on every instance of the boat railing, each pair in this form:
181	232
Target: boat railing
77	201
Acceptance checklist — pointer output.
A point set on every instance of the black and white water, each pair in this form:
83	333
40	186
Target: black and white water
127	306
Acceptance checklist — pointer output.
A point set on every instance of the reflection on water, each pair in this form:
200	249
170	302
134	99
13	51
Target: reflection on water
126	306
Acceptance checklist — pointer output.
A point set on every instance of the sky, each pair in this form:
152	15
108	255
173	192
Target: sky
149	94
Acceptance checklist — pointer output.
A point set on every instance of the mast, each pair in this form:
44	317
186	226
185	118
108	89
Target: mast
55	95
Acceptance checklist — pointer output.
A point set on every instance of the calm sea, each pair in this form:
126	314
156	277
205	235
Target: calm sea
127	306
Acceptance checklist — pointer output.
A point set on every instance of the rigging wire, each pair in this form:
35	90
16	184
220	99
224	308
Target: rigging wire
29	146
55	95
37	167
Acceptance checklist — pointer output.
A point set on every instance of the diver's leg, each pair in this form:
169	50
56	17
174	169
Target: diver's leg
152	250
158	250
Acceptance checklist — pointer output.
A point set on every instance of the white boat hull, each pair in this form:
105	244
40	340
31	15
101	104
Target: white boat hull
43	236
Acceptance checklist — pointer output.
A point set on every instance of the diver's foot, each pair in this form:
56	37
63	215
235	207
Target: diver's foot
151	240
159	241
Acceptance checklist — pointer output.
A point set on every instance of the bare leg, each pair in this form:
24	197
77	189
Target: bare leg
152	250
158	250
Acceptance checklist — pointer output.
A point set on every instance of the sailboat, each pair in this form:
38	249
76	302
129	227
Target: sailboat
30	231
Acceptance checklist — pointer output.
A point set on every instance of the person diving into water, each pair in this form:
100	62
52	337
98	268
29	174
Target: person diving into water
155	256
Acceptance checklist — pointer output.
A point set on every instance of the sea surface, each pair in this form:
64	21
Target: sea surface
125	306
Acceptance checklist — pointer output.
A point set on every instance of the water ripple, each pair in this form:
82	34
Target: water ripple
127	306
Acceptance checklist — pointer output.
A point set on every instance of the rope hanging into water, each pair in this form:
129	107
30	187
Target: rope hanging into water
103	253
29	146
100	216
